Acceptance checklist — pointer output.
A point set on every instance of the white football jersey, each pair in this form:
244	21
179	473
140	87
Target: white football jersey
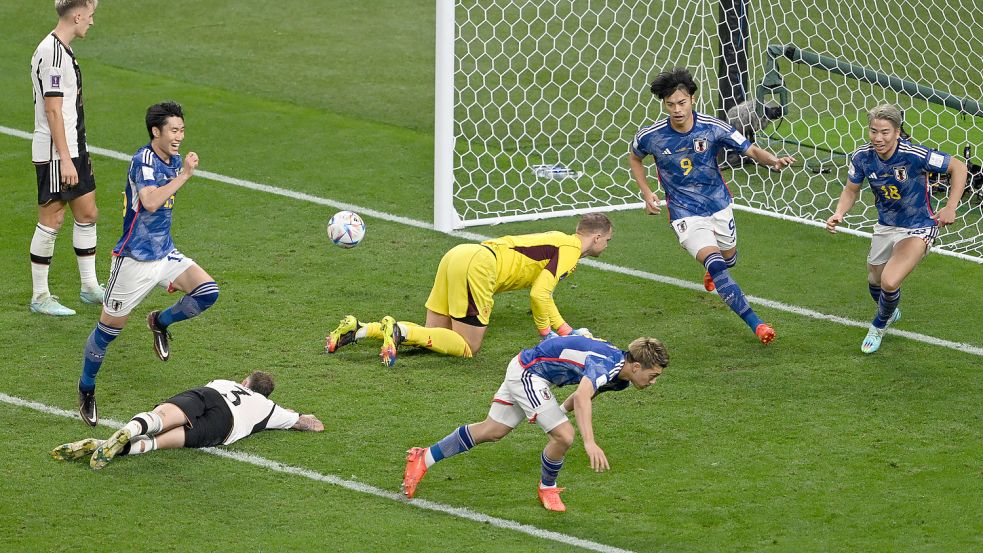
54	72
252	412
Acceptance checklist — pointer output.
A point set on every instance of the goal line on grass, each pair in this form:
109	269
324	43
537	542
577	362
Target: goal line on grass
351	485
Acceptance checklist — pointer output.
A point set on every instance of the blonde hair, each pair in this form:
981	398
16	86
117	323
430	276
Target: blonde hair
594	223
63	7
887	112
650	352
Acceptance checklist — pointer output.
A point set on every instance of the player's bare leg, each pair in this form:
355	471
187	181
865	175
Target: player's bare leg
560	440
473	335
905	257
201	292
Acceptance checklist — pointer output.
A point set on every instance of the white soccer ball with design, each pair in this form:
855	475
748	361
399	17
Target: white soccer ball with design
346	229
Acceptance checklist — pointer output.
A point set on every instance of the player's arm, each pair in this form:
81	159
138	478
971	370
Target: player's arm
583	410
957	183
153	197
308	423
847	198
651	199
764	157
56	125
544	311
545	314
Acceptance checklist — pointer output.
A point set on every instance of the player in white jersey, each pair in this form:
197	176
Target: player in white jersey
61	161
594	366
219	413
897	172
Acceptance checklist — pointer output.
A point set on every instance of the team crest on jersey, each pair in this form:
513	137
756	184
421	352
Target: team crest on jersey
56	81
545	392
900	173
700	145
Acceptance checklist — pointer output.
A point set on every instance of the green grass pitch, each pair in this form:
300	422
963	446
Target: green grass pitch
804	445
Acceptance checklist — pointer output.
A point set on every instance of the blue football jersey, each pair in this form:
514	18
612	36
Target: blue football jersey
900	184
146	235
568	359
687	163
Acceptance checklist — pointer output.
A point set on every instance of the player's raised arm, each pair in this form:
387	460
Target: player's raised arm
583	410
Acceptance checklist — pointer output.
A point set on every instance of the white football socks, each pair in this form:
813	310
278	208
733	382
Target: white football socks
84	239
42	249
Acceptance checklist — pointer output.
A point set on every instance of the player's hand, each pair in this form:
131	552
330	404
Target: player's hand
69	174
549	335
582	332
190	163
598	461
783	162
309	423
831	223
945	216
653	206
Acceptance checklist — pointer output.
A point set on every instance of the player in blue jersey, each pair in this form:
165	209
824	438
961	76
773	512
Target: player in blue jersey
594	366
906	226
145	256
685	147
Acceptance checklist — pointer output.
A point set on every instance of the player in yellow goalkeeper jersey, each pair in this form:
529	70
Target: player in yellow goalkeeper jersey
460	303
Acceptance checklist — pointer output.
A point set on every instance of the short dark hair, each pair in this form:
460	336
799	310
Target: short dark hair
261	383
157	115
667	82
593	223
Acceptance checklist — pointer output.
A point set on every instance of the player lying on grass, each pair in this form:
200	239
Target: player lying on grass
219	413
594	366
685	146
469	275
906	226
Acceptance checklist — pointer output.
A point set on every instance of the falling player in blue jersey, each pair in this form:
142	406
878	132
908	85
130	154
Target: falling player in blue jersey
145	256
594	366
906	226
685	147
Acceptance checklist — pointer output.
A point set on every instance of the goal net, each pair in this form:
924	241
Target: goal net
537	101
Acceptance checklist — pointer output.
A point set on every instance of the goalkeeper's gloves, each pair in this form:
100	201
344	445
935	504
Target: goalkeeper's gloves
582	332
549	335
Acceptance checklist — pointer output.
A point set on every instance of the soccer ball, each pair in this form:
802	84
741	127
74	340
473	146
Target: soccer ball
346	229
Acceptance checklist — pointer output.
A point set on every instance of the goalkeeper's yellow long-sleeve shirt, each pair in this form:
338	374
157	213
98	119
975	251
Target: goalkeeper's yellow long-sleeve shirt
537	262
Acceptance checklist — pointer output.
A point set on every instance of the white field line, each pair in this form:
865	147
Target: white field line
350	485
958	346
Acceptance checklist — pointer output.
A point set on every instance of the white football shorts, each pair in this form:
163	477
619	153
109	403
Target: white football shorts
525	396
887	237
696	233
130	281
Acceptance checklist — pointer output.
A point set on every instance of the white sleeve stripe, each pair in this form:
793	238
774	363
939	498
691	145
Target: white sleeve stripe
713	121
914	149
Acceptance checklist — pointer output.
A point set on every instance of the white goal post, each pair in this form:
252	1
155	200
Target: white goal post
537	100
